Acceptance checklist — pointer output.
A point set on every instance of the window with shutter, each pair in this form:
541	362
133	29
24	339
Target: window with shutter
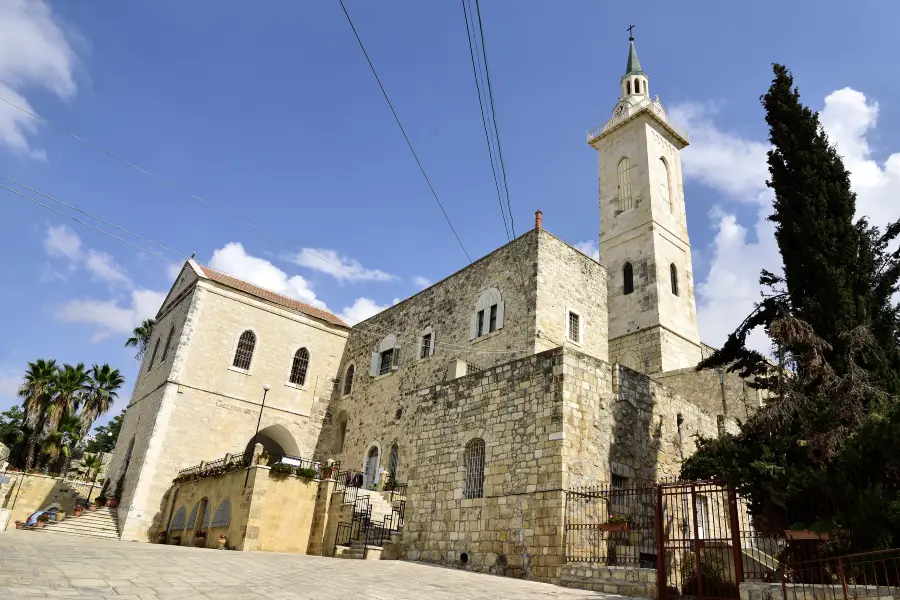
384	364
425	349
480	323
492	326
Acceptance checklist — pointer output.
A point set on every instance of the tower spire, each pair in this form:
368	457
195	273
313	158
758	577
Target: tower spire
634	65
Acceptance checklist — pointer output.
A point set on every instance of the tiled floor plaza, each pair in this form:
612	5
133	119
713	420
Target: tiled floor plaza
37	565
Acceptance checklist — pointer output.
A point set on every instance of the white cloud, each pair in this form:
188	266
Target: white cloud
109	315
34	53
731	287
61	242
589	247
422	282
342	268
234	260
362	309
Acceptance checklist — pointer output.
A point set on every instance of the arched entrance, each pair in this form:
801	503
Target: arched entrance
275	439
370	471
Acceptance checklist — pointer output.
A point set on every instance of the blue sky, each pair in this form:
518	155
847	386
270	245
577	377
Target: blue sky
270	112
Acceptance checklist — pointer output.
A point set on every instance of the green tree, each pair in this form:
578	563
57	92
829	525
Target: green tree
36	393
140	338
89	465
837	273
105	436
102	388
62	441
12	427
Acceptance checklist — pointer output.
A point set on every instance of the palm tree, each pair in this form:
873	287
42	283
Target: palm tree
69	388
141	337
89	465
62	441
36	392
102	388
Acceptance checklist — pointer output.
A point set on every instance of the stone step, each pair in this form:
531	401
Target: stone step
114	535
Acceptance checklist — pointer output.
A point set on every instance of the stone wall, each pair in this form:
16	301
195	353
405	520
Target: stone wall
25	494
654	350
622	422
625	581
516	528
705	388
798	591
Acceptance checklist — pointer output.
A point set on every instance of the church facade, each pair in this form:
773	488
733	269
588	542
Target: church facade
531	371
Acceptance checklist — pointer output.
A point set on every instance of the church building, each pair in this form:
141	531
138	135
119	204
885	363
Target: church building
531	371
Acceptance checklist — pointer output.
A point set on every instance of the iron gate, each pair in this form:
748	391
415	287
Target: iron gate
700	544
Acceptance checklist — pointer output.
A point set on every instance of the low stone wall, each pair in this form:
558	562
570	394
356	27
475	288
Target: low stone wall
25	494
625	581
799	591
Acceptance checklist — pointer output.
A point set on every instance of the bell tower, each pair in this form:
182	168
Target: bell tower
643	231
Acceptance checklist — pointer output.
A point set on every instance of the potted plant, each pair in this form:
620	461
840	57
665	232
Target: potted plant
200	538
220	543
307	473
282	469
161	537
93	506
263	459
42	520
60	515
615	524
819	530
112	502
101	500
20	525
175	540
78	510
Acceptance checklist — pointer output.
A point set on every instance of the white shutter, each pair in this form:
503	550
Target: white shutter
500	315
433	344
395	363
373	368
473	326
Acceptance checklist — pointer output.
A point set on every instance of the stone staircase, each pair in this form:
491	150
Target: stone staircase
381	508
101	523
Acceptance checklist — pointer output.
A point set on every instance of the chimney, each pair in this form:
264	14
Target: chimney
538	219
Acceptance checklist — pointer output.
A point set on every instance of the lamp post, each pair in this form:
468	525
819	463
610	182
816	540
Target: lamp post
262	406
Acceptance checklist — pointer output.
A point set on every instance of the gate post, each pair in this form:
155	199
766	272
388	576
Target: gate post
661	579
735	537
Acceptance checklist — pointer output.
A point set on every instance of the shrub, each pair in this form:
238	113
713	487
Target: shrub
308	473
712	575
282	469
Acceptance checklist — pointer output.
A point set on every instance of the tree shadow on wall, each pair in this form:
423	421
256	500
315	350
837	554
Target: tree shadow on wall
637	428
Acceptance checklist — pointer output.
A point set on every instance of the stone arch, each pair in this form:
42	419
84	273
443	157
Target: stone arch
370	474
178	519
347	380
275	439
340	433
222	517
631	360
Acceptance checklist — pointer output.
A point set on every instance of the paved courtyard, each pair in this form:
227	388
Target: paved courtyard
38	565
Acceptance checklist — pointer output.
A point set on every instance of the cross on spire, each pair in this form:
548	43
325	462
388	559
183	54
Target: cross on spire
630	33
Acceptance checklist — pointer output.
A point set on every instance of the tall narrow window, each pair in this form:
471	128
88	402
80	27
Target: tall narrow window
673	275
637	86
574	327
474	459
348	380
166	347
628	87
426	346
664	185
624	172
628	278
394	462
387	357
480	323
153	356
299	366
492	325
244	353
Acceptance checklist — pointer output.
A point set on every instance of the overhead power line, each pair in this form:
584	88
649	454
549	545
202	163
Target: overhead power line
484	124
402	130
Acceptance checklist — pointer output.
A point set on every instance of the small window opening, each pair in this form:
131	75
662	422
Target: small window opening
628	87
464	558
637	86
387	357
628	278
574	327
426	346
398	414
493	319
480	323
673	275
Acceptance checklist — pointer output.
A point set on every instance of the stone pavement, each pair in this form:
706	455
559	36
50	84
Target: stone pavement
58	566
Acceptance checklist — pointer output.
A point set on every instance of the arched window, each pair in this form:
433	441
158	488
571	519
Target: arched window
244	353
168	343
348	380
153	356
624	171
299	366
222	518
341	432
191	522
664	185
628	87
394	461
637	86
177	523
673	275
628	278
474	459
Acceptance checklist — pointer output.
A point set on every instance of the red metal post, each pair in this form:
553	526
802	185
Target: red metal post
661	578
697	543
843	577
735	537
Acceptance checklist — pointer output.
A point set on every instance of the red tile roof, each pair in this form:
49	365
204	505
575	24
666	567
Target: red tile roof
264	294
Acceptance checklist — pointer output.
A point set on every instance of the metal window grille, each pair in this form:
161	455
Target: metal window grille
244	352
574	327
480	323
470	368
493	321
166	347
153	356
618	485
348	380
299	366
387	357
474	458
426	346
395	461
628	278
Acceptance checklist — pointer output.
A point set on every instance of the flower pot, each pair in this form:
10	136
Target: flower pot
263	461
804	534
175	541
112	503
200	542
77	511
92	507
614	527
20	525
161	537
60	515
39	524
220	544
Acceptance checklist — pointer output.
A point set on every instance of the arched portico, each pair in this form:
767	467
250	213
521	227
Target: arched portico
275	439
